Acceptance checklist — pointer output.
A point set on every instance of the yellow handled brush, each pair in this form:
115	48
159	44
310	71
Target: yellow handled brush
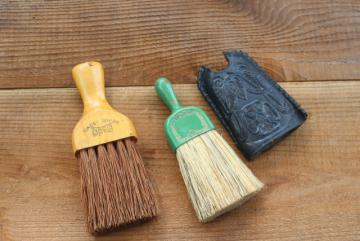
116	189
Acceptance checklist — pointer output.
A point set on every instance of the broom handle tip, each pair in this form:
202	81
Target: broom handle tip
167	94
89	79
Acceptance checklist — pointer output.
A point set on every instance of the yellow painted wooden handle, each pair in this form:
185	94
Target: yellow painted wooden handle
100	123
89	79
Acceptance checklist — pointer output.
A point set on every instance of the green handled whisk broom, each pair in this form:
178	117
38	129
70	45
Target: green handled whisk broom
217	180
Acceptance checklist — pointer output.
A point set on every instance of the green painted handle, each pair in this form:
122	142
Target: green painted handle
166	92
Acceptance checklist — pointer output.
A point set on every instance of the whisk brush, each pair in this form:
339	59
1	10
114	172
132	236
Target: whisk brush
116	189
216	179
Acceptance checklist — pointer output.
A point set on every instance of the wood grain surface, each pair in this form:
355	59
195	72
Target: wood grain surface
312	47
312	177
139	40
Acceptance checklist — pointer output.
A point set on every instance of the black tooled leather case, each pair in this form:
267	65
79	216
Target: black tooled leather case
254	109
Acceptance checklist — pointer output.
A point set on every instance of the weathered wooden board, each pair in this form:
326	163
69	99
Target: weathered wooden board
312	177
140	40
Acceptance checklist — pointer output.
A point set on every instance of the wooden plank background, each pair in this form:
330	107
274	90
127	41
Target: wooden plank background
312	47
139	40
312	177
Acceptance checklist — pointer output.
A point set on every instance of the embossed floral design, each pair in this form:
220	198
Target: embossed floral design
280	105
238	125
260	118
228	88
252	79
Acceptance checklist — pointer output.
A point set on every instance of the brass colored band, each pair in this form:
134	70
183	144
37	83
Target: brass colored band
101	126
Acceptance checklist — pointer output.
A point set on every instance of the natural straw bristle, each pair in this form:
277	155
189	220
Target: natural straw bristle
116	190
216	178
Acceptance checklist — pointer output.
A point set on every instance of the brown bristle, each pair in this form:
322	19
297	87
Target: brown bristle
116	189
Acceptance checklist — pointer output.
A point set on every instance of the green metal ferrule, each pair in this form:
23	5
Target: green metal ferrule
184	123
